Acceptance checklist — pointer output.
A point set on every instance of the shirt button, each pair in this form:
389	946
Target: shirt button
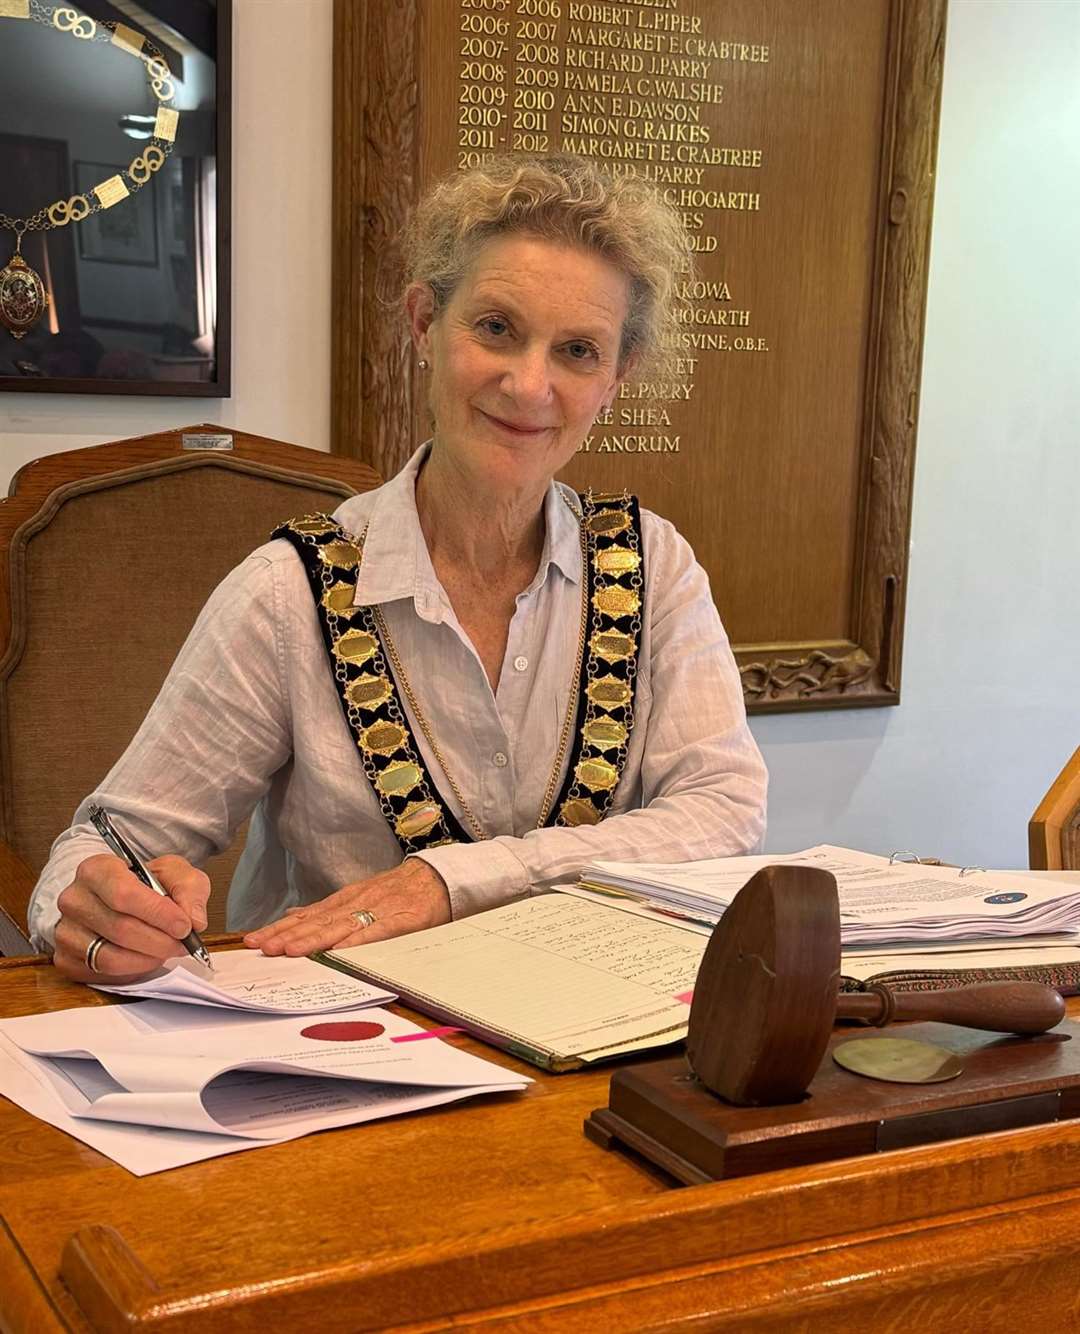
499	760
520	664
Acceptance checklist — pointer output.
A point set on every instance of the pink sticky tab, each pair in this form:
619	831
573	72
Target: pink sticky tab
685	996
427	1033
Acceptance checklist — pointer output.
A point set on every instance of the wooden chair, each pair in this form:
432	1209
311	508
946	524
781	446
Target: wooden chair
1054	829
106	556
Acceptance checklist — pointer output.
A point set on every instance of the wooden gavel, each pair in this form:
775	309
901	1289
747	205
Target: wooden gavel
767	993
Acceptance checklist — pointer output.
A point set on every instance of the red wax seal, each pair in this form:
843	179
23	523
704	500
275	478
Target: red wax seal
349	1031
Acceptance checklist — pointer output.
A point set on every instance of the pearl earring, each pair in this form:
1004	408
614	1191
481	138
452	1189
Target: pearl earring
423	364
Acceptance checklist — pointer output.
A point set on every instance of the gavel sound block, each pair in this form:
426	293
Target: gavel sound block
759	1089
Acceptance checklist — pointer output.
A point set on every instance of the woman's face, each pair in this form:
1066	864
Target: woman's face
524	356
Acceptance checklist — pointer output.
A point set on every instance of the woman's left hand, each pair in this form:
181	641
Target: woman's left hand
411	897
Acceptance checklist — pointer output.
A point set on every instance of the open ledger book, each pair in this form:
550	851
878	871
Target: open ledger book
586	974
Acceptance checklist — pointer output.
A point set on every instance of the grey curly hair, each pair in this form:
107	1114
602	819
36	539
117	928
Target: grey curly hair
570	200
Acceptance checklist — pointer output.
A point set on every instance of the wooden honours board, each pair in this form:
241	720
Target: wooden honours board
798	140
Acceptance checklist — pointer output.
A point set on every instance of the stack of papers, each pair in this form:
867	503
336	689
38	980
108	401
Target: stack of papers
881	903
158	1084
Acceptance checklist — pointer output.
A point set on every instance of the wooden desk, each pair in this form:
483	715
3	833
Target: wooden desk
499	1214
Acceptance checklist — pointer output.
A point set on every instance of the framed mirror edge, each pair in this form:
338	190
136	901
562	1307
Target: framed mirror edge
221	384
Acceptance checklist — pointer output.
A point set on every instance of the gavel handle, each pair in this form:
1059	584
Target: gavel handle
1001	1007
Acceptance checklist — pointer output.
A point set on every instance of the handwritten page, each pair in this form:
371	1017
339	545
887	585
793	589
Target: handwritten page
248	980
259	1079
556	973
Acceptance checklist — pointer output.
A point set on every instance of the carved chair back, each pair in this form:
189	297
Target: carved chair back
1054	829
106	556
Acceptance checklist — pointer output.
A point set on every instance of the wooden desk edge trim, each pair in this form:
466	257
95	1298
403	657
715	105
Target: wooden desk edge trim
716	1225
863	1282
27	1307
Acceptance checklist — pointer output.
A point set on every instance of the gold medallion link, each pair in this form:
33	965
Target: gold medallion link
127	39
597	775
417	819
605	733
617	601
398	778
606	523
69	210
368	692
608	691
339	599
79	25
345	555
355	646
160	80
577	811
613	646
314	525
616	560
113	191
165	124
383	738
144	166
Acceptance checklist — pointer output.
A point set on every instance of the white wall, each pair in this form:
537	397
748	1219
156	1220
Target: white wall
991	704
991	680
282	142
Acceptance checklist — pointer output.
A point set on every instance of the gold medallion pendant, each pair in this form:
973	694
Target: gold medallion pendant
23	299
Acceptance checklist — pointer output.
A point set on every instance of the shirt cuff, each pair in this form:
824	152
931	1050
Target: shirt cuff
44	917
478	875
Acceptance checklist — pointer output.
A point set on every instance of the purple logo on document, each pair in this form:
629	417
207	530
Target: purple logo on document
1004	898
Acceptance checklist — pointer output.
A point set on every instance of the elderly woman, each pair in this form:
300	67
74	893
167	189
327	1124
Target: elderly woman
470	681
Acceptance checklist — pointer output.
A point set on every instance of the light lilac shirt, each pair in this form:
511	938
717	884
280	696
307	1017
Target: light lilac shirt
248	723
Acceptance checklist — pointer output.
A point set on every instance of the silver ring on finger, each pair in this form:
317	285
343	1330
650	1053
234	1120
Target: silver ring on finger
92	951
363	918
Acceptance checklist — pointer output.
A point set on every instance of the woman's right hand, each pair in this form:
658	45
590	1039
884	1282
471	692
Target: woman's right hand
140	928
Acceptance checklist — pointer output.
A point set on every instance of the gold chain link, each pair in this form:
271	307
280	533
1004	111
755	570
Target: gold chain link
139	172
571	708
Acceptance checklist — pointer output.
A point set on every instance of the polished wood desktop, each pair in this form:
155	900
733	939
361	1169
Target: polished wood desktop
500	1214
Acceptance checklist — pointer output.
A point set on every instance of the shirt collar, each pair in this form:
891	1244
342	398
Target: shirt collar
397	563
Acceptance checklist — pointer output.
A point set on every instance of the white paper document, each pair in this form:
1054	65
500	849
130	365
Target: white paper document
248	980
880	902
153	1092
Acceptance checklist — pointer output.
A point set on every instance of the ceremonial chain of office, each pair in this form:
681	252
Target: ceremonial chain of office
600	714
23	298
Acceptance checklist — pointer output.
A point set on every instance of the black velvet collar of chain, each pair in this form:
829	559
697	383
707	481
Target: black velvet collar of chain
413	806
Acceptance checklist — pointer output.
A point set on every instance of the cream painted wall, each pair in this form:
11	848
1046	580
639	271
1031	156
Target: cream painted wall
991	688
280	255
990	698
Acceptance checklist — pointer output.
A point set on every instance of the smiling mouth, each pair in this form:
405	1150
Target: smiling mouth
516	430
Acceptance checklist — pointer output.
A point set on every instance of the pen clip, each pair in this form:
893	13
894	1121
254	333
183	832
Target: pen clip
99	818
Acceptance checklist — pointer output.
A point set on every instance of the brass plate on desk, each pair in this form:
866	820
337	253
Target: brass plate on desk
898	1060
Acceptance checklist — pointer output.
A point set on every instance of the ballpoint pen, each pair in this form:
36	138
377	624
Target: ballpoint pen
102	822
